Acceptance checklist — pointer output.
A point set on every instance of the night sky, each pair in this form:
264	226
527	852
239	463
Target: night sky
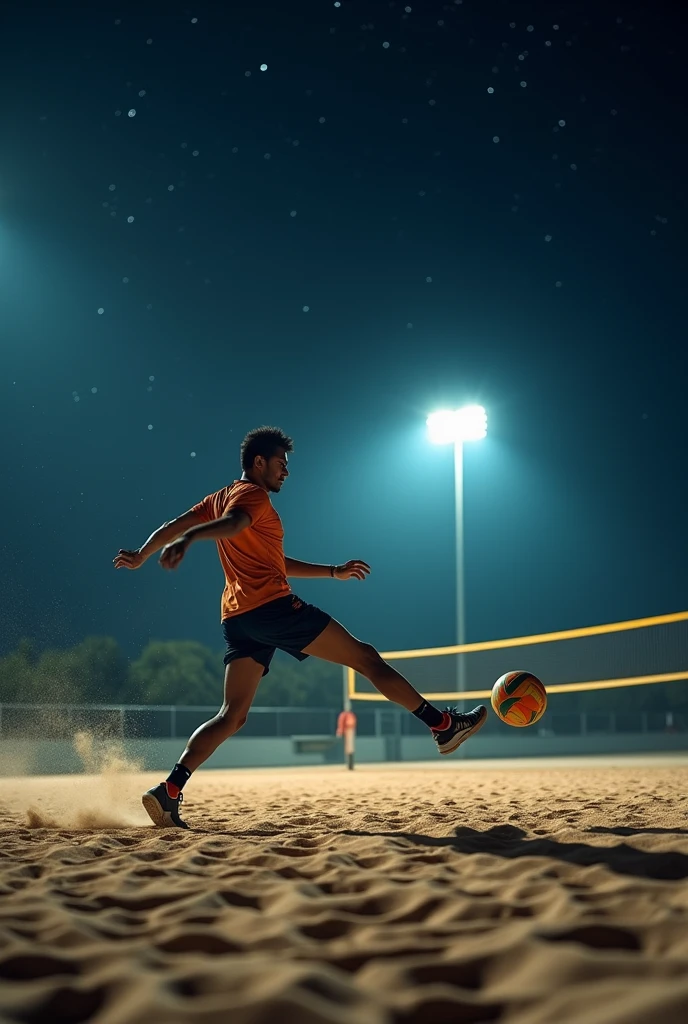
412	206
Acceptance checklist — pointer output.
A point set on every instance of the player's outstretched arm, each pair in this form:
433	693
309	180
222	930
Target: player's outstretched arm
355	569
223	528
134	559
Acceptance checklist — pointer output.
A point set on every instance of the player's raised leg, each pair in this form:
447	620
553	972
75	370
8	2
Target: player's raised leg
242	677
449	728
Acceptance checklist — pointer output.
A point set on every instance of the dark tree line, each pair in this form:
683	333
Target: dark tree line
97	671
185	672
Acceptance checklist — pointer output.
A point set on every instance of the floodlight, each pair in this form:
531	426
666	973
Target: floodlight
457	425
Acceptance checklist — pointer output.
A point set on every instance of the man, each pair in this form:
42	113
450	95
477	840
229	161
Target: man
259	612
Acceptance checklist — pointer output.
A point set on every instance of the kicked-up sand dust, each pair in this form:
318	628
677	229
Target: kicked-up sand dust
528	893
104	797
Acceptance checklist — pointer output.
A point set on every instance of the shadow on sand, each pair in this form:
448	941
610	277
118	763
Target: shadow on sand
622	830
510	842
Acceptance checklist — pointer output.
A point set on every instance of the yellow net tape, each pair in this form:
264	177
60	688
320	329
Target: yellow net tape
540	638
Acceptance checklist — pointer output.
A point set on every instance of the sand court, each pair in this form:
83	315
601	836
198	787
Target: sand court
527	892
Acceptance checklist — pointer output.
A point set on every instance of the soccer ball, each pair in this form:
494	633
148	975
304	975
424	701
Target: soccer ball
519	698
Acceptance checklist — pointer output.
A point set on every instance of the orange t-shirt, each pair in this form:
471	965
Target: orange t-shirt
253	560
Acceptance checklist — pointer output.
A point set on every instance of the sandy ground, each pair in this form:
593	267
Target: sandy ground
524	892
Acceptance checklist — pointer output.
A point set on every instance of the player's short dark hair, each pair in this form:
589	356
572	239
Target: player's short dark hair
263	441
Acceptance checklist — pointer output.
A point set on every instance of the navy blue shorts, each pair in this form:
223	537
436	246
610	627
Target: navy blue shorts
287	622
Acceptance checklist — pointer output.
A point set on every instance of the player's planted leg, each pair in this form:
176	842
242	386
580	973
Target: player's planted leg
163	801
450	728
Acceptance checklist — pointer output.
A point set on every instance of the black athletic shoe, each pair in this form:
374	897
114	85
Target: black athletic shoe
462	726
162	809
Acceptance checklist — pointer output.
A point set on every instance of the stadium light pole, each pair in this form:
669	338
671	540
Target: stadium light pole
457	426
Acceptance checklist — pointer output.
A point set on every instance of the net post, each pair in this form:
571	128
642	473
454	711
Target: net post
346	727
346	724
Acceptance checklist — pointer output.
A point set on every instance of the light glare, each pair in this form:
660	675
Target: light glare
451	426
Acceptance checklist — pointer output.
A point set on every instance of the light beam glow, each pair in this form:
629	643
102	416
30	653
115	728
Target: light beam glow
452	426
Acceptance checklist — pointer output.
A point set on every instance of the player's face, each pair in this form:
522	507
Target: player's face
276	471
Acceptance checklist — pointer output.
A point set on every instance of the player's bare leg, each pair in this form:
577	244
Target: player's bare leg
336	644
449	728
241	682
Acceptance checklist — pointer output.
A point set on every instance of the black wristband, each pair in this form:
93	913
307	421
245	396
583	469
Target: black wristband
332	568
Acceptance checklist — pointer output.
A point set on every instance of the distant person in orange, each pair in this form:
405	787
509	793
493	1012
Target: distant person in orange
259	612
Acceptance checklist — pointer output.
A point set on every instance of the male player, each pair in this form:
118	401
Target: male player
260	613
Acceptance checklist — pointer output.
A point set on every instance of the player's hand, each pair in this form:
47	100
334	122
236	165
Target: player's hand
173	553
355	569
128	559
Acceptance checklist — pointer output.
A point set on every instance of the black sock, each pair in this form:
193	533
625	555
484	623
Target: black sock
430	715
179	776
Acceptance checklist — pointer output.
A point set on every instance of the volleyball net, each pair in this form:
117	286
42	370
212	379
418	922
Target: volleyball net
635	653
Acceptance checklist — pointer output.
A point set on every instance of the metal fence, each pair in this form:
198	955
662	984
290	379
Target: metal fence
168	721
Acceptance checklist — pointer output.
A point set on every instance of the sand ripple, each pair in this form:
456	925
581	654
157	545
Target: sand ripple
318	896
